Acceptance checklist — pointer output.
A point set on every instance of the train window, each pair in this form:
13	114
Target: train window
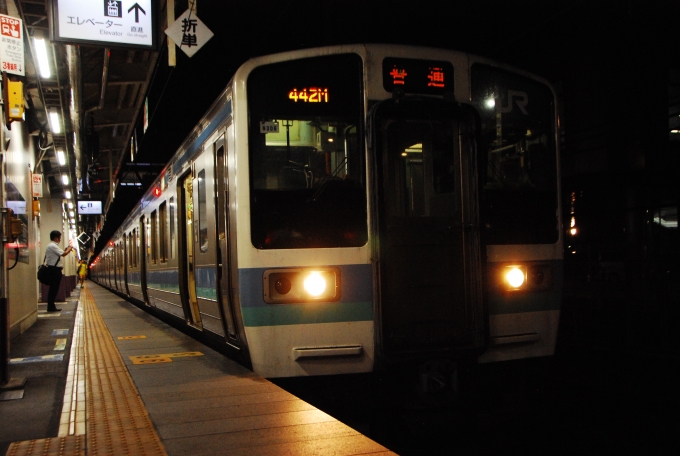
154	237
202	213
518	142
221	191
147	237
172	228
163	232
306	161
135	247
422	160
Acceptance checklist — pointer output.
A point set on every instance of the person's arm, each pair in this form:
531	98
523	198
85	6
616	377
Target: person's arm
67	250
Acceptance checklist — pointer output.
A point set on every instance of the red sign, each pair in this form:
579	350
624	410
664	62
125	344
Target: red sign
11	45
10	26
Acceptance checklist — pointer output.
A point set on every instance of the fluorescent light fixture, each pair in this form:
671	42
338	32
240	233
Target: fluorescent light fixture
55	121
64	179
71	213
41	54
67	195
61	157
70	205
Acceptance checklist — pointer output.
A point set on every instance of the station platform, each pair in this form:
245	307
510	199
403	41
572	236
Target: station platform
104	377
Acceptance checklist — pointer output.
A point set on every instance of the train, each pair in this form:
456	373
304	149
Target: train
349	208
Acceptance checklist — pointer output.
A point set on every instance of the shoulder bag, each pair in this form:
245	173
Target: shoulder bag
44	273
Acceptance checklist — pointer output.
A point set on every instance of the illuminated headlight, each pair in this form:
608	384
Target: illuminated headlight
532	276
515	277
301	285
315	284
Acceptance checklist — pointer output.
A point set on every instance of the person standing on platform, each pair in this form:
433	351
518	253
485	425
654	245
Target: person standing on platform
53	256
82	272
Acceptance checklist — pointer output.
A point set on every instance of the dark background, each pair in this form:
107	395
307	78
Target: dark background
612	385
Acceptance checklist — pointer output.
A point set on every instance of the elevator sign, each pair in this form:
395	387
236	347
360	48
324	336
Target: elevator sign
11	45
123	23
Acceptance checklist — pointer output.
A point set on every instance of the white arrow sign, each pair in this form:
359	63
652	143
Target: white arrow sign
89	207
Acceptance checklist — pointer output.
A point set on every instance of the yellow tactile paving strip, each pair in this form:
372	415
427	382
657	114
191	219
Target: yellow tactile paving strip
117	422
66	446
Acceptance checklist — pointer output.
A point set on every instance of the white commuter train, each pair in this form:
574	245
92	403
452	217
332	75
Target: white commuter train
345	208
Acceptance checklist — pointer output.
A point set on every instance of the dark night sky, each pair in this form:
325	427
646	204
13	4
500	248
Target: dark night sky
562	40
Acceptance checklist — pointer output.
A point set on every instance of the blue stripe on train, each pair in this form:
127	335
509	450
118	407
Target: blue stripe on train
356	303
168	280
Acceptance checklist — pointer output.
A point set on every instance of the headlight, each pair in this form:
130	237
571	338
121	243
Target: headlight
315	284
301	285
515	277
533	276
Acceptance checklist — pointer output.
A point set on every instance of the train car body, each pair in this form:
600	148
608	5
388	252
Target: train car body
344	208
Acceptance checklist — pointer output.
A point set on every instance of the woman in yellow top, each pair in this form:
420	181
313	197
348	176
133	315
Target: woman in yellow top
82	272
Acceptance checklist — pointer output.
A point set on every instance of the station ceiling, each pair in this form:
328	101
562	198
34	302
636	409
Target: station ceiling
99	93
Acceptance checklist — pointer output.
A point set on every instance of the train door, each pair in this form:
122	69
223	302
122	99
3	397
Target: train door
222	229
427	223
142	250
187	263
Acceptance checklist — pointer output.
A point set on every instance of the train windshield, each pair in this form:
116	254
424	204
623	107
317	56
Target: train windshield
307	178
518	140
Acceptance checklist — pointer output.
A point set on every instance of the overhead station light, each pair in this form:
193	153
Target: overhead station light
64	179
55	121
61	157
41	55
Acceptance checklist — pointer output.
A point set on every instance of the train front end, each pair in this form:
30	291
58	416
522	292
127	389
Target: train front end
305	279
390	192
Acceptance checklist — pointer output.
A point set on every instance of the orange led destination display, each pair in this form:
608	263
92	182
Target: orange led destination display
309	95
417	76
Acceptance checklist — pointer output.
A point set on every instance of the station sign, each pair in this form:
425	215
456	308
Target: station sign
89	207
83	238
37	185
111	23
189	32
11	45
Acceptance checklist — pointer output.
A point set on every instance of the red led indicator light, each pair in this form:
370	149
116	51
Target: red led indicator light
398	76
436	77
